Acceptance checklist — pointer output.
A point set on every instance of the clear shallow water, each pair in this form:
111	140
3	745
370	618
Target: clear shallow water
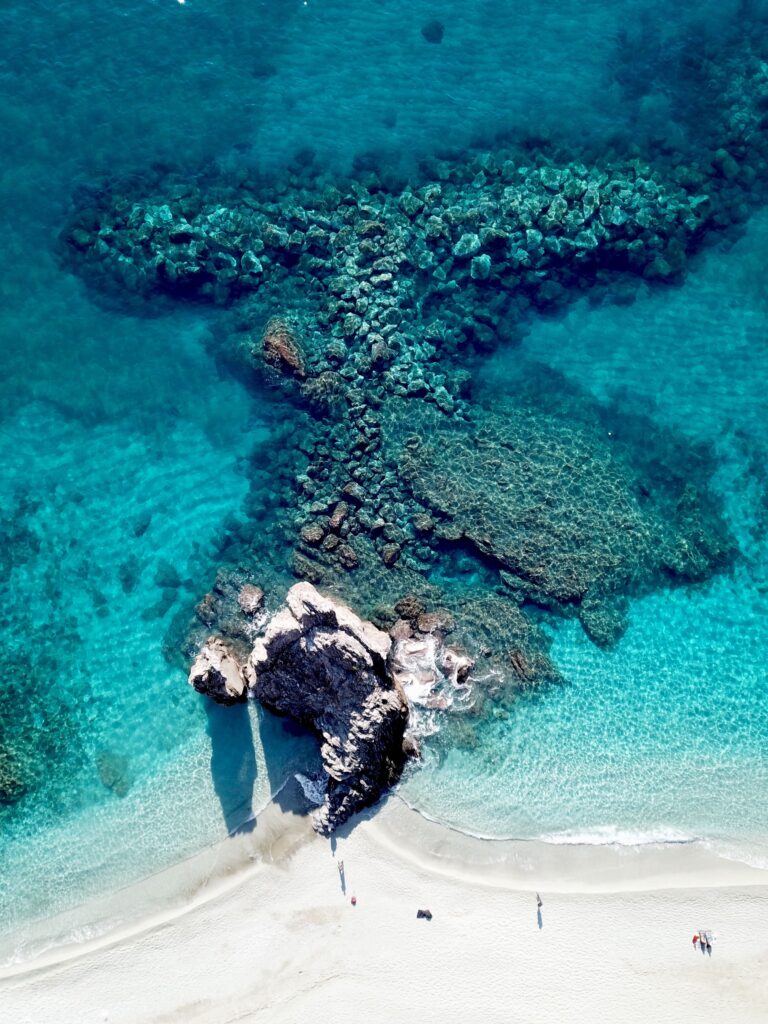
665	736
122	443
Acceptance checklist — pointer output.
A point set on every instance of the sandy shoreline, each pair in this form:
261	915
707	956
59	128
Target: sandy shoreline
259	929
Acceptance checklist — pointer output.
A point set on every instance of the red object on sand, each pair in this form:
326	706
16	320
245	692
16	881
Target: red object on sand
695	939
353	901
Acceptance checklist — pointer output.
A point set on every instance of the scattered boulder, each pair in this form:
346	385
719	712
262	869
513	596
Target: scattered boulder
433	31
217	674
280	348
114	771
250	599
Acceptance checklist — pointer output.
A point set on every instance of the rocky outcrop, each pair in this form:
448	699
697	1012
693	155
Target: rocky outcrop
324	666
217	674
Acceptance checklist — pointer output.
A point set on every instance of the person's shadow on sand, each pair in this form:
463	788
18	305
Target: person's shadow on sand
539	918
233	763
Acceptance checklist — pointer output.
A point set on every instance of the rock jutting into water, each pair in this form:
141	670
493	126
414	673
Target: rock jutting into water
325	667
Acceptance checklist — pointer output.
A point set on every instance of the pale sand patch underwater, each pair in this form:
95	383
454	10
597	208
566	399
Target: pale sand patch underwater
262	931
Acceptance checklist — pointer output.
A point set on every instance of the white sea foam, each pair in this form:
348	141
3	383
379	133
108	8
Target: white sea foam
610	835
430	673
752	852
32	950
312	788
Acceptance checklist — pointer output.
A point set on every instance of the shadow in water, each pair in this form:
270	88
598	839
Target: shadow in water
233	763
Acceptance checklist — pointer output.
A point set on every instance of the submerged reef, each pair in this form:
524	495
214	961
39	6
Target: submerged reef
368	301
564	506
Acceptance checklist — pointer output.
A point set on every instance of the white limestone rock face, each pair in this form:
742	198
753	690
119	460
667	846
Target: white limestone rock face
217	673
323	665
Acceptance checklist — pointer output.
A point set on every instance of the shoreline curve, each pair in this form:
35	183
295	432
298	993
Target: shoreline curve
397	832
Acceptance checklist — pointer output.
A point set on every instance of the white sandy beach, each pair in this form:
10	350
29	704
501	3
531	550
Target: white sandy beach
259	930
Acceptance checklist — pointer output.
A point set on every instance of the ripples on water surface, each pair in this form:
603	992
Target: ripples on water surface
123	442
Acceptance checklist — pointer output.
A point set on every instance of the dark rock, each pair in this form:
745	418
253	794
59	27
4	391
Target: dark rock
433	31
410	607
313	533
114	771
281	349
348	556
428	622
354	492
207	610
423	523
324	666
338	516
390	554
401	630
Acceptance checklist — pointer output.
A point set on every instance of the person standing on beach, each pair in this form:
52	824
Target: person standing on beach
539	901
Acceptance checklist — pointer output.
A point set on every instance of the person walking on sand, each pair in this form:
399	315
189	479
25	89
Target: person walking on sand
342	876
539	901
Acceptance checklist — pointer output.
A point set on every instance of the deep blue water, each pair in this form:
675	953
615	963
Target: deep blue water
125	443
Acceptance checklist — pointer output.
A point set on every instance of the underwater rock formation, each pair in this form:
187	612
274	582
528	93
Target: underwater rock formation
562	510
280	348
12	784
324	666
390	477
433	31
233	610
376	266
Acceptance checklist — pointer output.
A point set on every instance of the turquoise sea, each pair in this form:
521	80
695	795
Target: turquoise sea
129	441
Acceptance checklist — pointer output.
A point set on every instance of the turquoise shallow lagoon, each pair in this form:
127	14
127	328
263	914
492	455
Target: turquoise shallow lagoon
126	443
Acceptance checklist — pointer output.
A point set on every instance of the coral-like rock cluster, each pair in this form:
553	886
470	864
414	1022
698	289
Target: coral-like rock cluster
560	507
369	299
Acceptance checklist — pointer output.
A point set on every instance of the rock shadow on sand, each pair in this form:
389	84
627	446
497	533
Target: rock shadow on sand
233	764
